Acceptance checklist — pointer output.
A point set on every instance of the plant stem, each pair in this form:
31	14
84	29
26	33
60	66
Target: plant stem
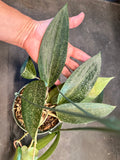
47	92
23	136
35	145
51	114
18	141
37	78
90	129
31	144
41	123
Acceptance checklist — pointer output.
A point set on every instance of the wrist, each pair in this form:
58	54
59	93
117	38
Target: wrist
14	26
26	29
31	43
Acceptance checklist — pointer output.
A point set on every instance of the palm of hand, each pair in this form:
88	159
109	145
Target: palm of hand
33	41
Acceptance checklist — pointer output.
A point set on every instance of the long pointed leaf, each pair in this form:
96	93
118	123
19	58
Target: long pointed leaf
35	93
100	84
111	123
51	149
81	80
53	48
44	141
96	109
99	98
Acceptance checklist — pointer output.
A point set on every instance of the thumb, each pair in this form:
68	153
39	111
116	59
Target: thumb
76	20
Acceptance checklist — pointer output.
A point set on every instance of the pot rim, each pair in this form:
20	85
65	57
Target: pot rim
18	124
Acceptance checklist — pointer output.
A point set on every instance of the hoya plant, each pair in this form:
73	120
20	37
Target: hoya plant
42	107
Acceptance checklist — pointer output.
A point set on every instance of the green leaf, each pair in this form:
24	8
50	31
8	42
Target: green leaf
28	69
99	98
53	94
97	88
34	93
18	154
112	123
27	153
96	109
51	149
53	49
44	141
81	80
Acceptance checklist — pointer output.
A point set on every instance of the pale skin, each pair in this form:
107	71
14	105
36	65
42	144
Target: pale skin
22	31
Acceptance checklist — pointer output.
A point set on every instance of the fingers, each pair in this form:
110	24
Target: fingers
71	64
80	55
76	20
66	73
77	53
57	83
73	22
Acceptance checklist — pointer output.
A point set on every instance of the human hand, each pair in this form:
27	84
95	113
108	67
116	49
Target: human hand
27	33
33	42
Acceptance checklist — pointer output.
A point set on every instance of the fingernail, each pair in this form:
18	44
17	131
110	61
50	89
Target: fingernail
57	83
82	14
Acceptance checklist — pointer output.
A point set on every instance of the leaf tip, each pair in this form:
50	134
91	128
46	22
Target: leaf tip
114	107
112	78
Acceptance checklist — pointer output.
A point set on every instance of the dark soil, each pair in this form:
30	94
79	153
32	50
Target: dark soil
49	123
